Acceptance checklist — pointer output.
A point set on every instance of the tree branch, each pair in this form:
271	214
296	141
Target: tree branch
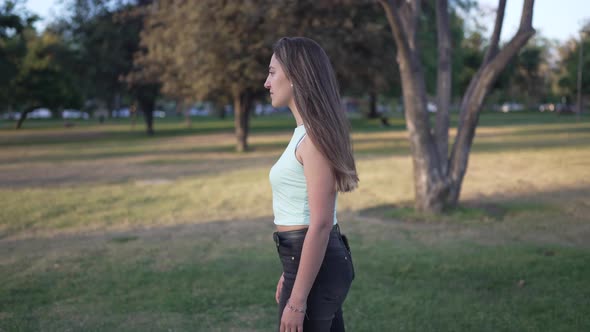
391	9
490	53
478	89
525	31
495	40
410	11
526	20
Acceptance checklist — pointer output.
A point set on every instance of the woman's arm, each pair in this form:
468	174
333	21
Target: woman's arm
321	191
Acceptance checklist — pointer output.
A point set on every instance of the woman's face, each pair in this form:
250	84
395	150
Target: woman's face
281	91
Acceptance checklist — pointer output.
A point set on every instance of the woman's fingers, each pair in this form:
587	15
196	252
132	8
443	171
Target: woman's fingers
278	292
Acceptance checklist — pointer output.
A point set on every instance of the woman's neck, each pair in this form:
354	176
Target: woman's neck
295	112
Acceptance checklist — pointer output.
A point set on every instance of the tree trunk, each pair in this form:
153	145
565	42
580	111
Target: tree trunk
473	100
148	114
579	85
437	179
19	123
429	183
429	186
23	116
183	107
242	105
372	105
443	84
146	99
220	110
147	105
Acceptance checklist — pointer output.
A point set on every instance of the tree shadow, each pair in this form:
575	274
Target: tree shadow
556	216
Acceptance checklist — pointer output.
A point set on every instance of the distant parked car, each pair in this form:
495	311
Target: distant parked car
564	109
193	111
431	107
263	109
547	107
159	114
121	113
74	114
11	116
511	107
39	113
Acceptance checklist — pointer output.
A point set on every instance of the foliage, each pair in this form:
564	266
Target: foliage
15	23
568	69
35	66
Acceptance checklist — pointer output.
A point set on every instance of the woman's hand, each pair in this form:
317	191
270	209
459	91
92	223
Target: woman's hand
279	288
292	321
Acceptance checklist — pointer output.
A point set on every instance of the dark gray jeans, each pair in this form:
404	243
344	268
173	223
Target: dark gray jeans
324	302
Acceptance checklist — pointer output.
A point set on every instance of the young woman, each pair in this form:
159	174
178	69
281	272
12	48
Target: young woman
316	165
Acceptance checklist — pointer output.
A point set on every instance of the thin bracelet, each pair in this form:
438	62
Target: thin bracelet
292	308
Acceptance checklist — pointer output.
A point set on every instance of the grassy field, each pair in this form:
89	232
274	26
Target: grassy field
105	229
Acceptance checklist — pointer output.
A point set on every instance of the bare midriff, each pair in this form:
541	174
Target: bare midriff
281	228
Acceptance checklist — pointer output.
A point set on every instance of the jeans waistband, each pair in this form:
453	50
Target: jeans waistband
298	234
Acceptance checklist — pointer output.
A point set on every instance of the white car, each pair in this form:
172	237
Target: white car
262	109
74	114
431	107
547	107
121	113
39	113
198	112
511	107
11	116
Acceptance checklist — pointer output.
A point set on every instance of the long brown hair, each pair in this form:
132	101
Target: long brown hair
317	99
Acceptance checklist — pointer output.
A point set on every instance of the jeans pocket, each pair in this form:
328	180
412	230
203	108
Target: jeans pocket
346	244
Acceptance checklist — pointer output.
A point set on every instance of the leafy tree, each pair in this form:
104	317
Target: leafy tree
356	38
570	64
438	175
219	50
34	68
15	23
44	79
470	55
211	50
105	35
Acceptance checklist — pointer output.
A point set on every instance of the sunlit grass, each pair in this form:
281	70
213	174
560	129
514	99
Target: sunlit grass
195	179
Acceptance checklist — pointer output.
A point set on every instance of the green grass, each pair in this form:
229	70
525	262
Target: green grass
479	213
105	229
208	285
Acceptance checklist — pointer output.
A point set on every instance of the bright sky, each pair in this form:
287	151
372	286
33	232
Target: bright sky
46	9
555	19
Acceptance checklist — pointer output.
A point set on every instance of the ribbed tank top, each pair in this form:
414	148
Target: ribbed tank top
289	189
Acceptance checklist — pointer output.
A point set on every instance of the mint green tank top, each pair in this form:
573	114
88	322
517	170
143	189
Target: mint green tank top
289	189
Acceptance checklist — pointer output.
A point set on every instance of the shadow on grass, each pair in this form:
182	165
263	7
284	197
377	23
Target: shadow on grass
558	203
468	211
